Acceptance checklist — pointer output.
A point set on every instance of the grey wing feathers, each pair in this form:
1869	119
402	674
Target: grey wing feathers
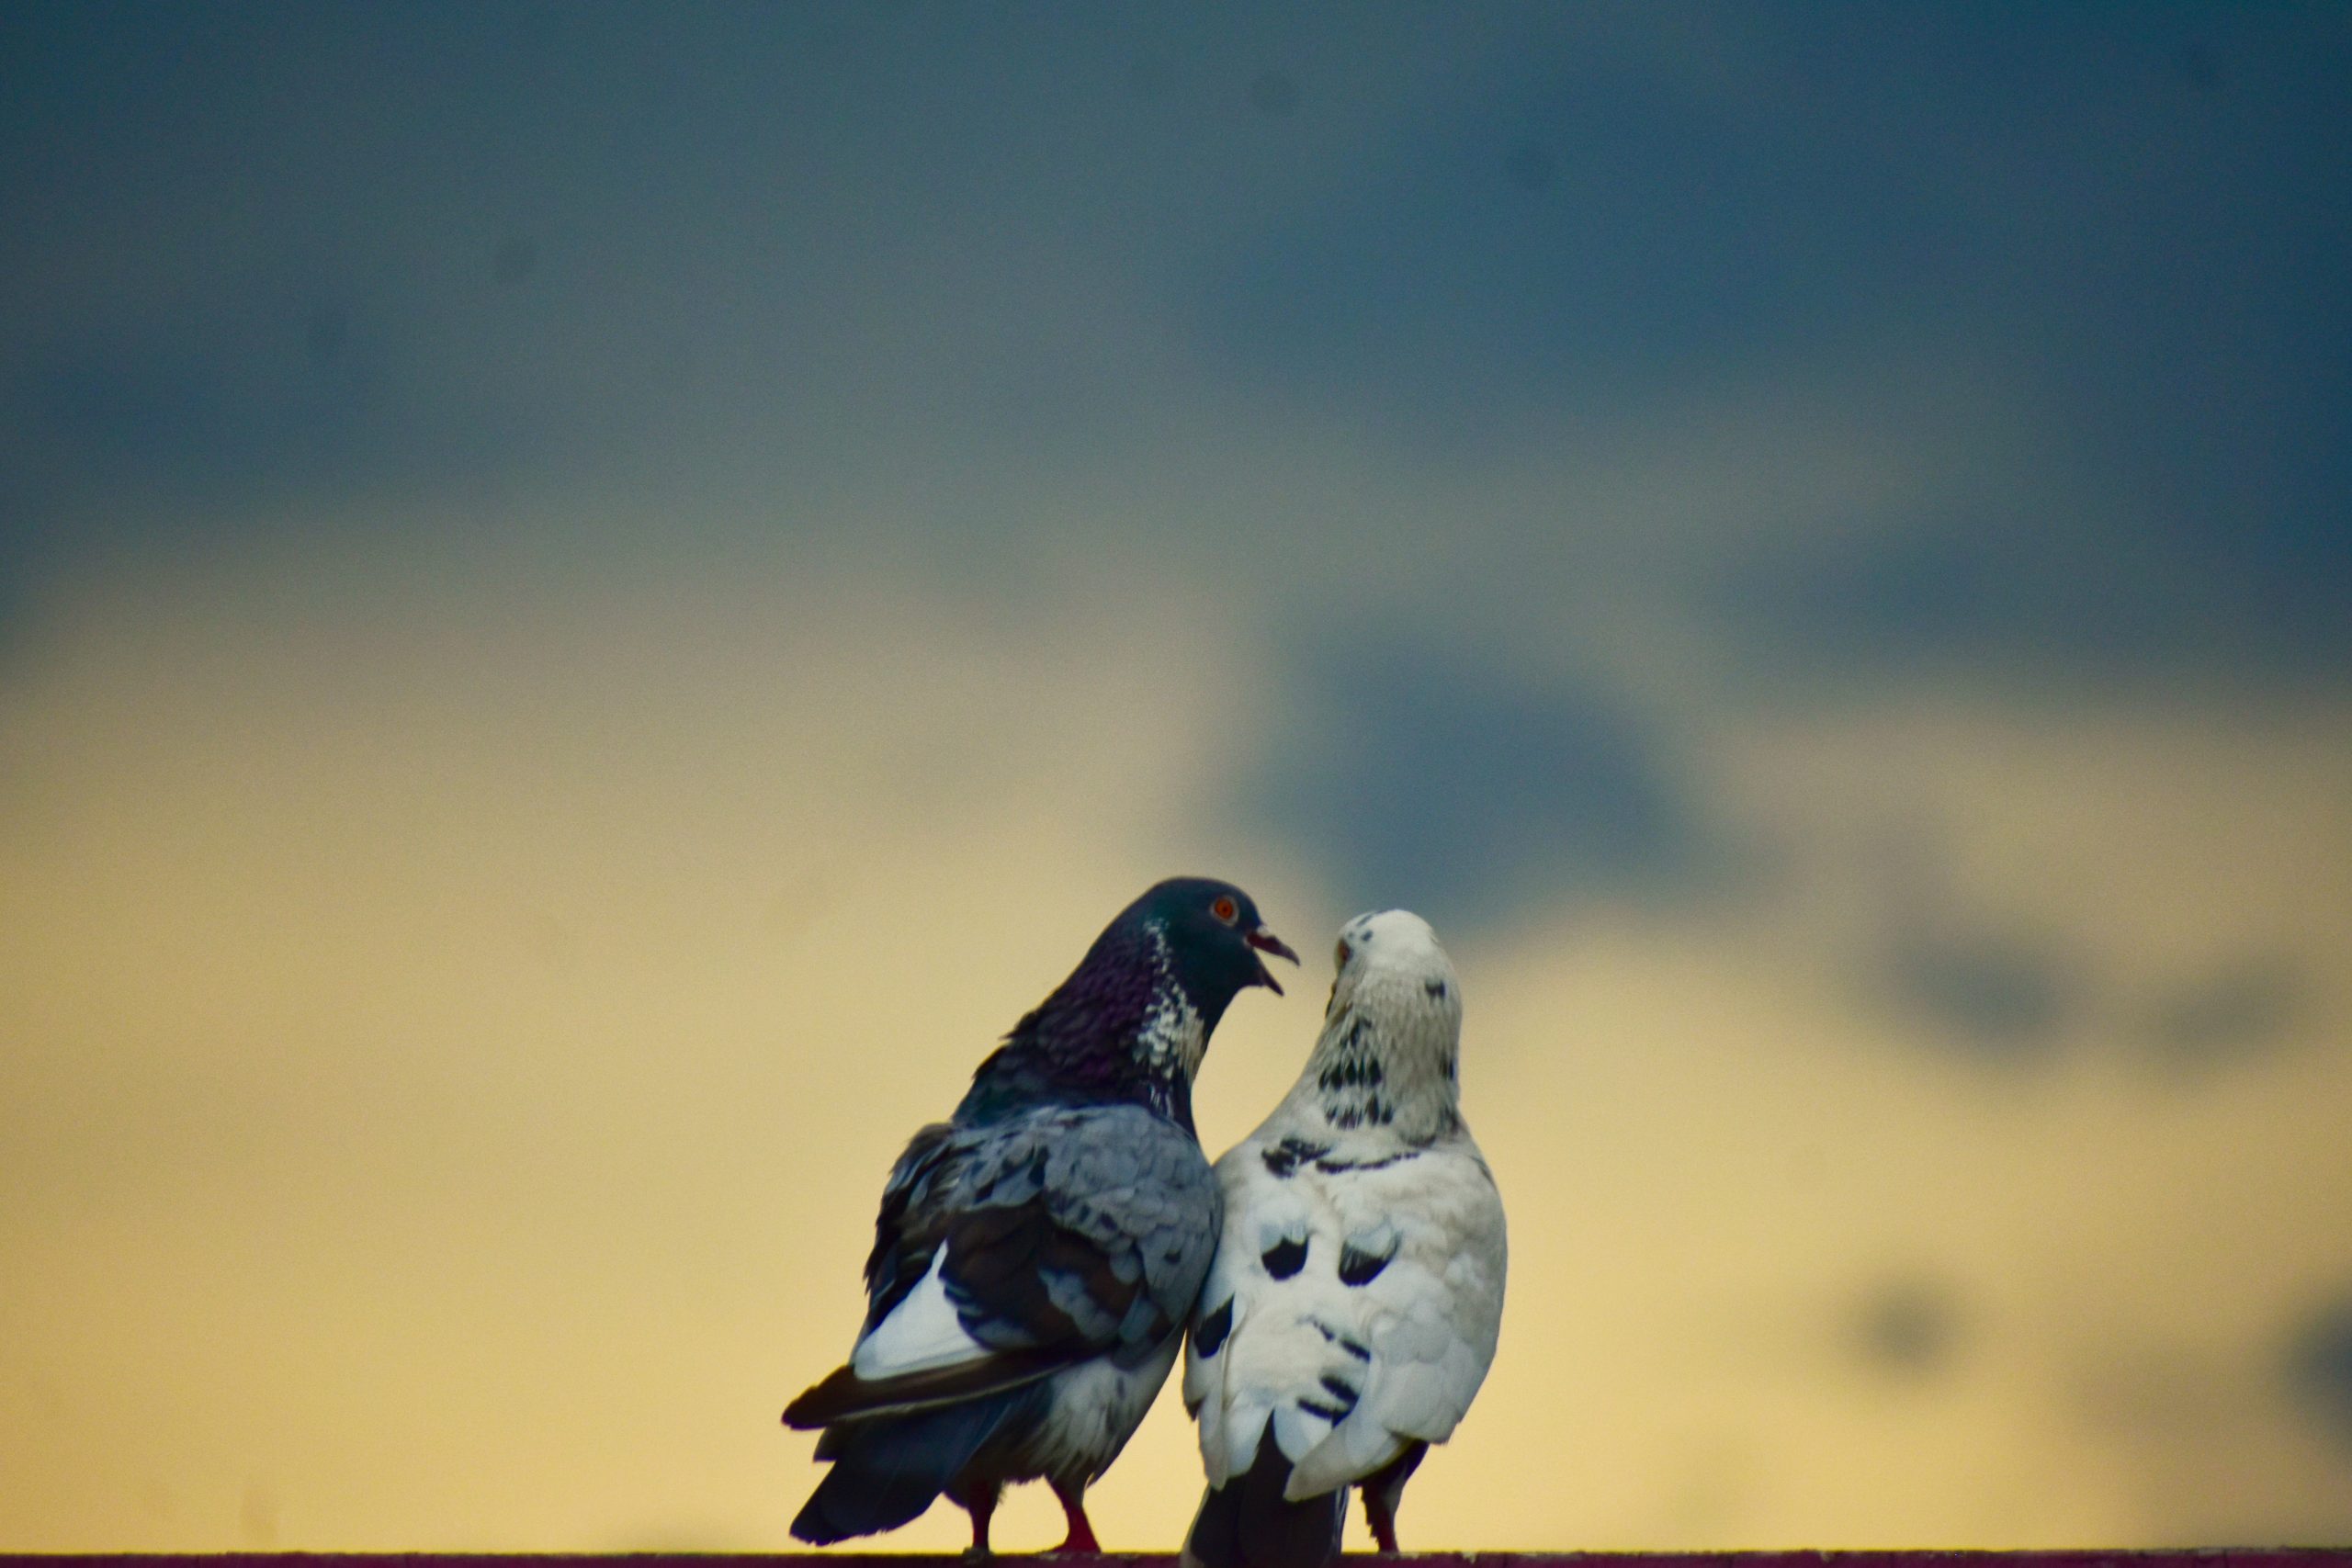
1006	1252
1091	1224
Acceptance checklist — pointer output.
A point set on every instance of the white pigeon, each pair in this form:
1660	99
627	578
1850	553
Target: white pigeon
1357	1293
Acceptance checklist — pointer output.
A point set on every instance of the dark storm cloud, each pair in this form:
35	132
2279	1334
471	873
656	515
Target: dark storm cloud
1460	791
330	253
1729	187
335	252
2140	218
204	226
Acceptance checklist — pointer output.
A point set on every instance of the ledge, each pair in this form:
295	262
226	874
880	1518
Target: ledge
2204	1557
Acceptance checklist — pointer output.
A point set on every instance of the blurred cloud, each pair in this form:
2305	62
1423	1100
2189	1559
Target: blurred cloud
2250	591
1471	792
2001	998
2229	1017
1981	978
2319	1367
1910	1328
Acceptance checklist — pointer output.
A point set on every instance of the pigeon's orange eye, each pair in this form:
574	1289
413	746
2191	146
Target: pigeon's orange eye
1225	909
1341	954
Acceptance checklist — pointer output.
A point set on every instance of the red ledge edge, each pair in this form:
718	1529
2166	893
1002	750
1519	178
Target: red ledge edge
2201	1557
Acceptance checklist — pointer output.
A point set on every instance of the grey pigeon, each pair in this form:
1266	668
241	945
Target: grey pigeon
1036	1255
1357	1294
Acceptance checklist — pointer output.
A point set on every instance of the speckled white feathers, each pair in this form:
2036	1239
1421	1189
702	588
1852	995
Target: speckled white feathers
1356	1297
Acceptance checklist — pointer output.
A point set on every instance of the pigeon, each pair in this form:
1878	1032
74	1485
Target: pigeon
1037	1254
1357	1295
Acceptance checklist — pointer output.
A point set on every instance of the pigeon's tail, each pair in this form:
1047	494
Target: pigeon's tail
889	1469
1248	1523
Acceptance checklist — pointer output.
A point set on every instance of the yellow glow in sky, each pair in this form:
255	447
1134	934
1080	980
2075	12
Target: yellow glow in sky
453	1051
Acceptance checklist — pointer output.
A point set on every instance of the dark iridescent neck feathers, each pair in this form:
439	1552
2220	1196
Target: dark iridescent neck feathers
1133	1020
1103	1036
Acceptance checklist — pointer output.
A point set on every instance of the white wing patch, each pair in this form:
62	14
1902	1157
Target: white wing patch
922	1334
1349	1363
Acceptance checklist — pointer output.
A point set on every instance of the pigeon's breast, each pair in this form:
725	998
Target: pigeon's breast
1096	1408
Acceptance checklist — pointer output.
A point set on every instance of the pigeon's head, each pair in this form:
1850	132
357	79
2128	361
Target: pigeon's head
1393	956
1213	939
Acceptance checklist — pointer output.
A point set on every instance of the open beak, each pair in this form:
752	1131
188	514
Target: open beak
1265	941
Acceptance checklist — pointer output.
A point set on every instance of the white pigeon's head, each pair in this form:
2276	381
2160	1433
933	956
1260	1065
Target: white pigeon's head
1391	959
1389	1058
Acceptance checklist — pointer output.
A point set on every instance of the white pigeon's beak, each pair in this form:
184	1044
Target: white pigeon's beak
1265	941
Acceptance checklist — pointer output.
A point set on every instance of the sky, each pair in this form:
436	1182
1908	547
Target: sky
595	599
